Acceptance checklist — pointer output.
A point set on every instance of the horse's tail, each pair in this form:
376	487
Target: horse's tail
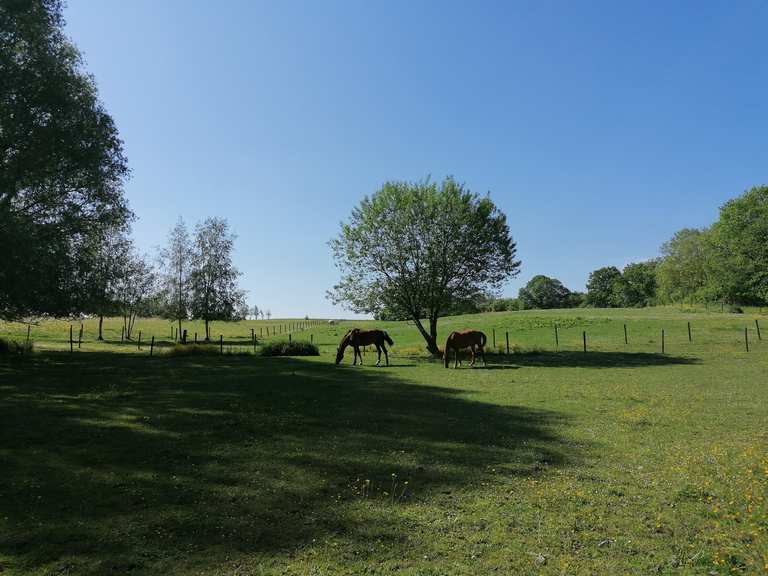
482	339
445	352
388	339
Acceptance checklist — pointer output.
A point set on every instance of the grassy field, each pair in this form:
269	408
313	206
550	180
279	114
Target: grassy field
622	460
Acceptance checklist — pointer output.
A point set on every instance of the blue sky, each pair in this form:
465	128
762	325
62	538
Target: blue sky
599	128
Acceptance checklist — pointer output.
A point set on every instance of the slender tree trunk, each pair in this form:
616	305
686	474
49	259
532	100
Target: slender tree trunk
207	331
433	333
179	334
101	324
430	337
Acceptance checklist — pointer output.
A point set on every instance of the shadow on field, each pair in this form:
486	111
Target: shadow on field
115	463
572	359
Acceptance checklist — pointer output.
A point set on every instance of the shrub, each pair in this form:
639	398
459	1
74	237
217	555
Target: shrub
193	350
205	350
294	348
15	347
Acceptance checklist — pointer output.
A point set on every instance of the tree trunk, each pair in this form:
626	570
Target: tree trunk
433	333
178	335
101	323
207	331
430	337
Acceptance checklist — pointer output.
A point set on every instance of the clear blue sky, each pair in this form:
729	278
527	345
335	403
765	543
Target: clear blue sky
600	128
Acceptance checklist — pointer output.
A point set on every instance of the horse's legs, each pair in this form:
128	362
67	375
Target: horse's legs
378	350
482	352
386	355
455	357
472	351
357	353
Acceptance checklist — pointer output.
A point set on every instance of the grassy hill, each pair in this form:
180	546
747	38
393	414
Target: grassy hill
550	461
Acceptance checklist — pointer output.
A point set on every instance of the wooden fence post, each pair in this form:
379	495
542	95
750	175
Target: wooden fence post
506	333
80	337
71	346
690	339
494	338
662	340
584	338
139	339
626	341
195	337
757	325
152	346
746	339
221	343
557	339
253	336
289	337
311	339
29	327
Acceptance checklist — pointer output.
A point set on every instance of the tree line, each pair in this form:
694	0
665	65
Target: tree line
726	262
192	277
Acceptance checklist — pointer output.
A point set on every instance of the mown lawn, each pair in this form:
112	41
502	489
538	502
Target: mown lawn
618	461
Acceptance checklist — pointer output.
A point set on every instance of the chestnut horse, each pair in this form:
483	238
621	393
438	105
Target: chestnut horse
467	339
357	338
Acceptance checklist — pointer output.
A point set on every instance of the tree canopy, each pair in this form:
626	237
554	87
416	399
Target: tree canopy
213	277
62	164
417	249
544	292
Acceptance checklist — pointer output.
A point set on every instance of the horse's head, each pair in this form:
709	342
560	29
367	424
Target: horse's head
339	354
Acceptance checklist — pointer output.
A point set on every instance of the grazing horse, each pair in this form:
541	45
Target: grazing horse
468	339
357	338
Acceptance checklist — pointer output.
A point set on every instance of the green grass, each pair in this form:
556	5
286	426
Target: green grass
618	461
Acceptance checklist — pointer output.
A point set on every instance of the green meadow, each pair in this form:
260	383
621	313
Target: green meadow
550	460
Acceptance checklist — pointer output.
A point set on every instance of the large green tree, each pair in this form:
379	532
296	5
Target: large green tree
544	292
61	163
213	277
738	263
603	287
418	249
638	284
682	272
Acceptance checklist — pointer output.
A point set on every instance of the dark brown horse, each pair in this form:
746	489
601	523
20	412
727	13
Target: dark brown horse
357	338
472	339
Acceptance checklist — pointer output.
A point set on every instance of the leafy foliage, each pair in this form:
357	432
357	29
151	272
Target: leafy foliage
292	348
601	287
544	292
61	164
738	266
682	272
215	293
175	264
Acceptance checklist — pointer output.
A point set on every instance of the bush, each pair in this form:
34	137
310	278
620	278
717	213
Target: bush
15	347
294	348
193	350
205	350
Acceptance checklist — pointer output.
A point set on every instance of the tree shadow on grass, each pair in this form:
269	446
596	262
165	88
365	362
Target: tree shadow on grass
570	359
113	463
